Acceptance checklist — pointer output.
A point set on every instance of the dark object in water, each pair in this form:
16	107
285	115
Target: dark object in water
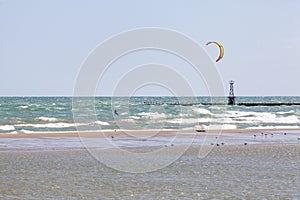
200	130
267	104
223	104
254	104
231	101
116	112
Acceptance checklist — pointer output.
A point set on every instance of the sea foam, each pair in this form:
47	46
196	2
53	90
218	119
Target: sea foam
47	119
7	128
48	125
102	123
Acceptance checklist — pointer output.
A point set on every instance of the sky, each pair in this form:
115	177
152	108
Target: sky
44	43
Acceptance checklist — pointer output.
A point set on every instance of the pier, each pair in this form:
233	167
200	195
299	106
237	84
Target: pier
221	104
231	102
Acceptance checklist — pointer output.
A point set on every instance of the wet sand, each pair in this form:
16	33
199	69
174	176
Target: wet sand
132	132
57	166
144	139
228	172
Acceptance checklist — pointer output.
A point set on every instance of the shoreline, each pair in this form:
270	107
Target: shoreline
143	149
109	133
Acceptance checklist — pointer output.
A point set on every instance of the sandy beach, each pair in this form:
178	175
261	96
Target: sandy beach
250	172
51	165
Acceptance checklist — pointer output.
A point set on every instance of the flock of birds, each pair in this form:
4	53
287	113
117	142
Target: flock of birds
222	143
255	135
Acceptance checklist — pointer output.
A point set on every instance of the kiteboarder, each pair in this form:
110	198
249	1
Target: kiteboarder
116	112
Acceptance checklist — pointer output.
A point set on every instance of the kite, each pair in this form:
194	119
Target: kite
221	49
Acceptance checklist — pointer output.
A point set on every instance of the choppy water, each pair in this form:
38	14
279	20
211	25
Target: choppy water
44	114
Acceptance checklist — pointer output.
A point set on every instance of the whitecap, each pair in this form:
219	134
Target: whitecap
102	123
258	117
188	120
152	115
287	112
134	117
202	111
23	107
128	120
48	125
7	128
26	131
48	119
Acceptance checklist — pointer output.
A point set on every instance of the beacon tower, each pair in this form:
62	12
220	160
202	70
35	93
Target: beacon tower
231	97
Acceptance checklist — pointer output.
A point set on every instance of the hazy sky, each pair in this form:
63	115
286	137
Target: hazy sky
43	43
